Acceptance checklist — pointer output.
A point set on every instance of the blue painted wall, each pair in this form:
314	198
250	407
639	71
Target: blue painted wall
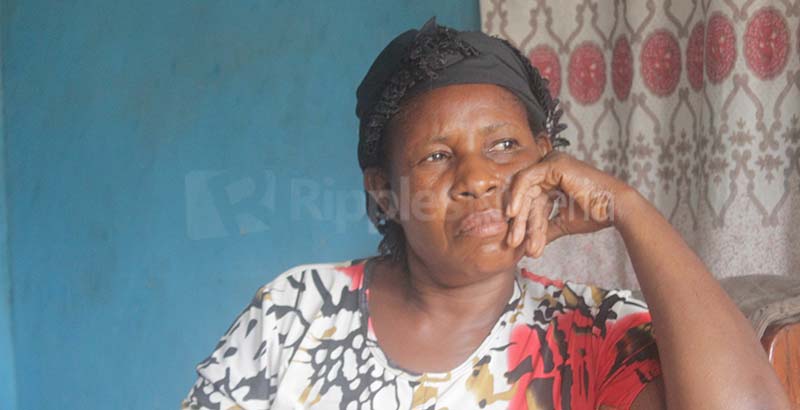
165	159
8	392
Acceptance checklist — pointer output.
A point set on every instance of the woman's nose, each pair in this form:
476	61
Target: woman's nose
475	178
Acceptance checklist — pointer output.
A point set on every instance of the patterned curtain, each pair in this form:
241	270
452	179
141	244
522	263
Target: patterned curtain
696	103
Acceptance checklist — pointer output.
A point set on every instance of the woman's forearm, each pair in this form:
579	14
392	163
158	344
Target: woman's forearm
710	356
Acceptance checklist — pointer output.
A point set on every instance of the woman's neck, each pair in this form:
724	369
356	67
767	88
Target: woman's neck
415	313
437	292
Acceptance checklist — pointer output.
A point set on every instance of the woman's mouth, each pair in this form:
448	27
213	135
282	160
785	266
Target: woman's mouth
489	222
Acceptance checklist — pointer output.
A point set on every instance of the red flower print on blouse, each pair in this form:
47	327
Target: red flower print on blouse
356	274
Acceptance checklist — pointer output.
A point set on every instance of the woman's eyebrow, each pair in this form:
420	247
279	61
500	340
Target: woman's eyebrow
493	127
488	129
432	140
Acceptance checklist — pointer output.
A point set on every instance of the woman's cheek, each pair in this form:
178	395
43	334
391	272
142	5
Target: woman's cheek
426	206
416	196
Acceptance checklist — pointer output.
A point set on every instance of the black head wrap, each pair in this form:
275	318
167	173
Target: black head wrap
436	56
432	57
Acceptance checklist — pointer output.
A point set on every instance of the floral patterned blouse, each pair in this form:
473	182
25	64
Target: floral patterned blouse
305	341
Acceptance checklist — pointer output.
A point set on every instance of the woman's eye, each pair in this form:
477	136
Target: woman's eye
436	156
505	145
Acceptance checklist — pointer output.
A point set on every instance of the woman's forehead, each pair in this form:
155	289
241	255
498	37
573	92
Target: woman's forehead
476	90
471	103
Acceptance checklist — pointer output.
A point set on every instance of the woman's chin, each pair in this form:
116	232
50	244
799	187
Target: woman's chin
492	246
471	258
492	257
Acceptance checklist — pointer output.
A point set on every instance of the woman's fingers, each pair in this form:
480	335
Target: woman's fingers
517	233
524	181
586	194
530	224
537	225
520	193
557	228
560	205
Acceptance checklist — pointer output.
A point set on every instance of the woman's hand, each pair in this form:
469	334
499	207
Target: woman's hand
696	371
587	201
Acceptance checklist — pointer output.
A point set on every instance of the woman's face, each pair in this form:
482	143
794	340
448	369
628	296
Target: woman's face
453	153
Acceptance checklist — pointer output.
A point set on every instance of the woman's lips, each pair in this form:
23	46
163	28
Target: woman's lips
484	223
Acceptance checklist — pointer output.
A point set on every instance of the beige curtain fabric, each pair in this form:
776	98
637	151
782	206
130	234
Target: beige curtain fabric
694	103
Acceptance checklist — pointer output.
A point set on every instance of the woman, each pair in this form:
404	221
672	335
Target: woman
457	141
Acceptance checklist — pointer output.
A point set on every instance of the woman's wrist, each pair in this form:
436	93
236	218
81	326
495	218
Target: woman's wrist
625	206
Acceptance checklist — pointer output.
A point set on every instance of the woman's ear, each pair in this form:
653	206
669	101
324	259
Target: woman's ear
376	183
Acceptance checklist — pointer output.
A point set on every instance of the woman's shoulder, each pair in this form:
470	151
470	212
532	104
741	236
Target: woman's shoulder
568	295
325	280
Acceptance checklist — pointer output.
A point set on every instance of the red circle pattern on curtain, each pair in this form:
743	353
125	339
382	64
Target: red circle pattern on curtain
694	103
